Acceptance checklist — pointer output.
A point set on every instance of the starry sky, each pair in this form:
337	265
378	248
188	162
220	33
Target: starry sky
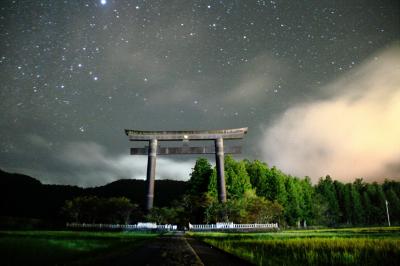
316	82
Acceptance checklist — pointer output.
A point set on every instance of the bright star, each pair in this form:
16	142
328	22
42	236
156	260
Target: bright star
103	2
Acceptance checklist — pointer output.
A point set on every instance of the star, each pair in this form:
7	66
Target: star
118	58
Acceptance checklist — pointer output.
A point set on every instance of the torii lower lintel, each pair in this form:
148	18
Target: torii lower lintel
152	150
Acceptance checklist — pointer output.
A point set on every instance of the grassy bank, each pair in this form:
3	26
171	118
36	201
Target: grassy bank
353	246
63	247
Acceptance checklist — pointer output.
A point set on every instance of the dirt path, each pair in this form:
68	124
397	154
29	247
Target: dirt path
171	250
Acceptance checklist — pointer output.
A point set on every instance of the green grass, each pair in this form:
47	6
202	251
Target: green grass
61	247
350	246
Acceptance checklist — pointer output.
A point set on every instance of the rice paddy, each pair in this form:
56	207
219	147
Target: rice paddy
353	246
64	247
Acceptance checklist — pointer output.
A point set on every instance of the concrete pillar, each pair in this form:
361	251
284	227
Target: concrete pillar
219	160
151	173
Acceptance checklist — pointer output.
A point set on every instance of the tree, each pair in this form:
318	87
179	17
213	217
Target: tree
268	183
257	193
230	211
194	207
247	209
378	208
257	171
237	181
91	209
391	184
71	211
319	210
326	189
367	206
119	210
236	177
260	210
394	206
200	176
308	198
82	209
276	187
165	215
347	203
357	216
195	201
292	207
340	196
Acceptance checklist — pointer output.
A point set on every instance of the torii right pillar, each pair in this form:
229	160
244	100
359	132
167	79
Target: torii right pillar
219	160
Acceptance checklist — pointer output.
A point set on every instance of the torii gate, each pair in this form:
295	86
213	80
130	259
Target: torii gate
153	150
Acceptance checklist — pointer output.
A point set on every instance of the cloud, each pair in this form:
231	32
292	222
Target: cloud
183	91
90	164
38	141
258	77
353	134
250	85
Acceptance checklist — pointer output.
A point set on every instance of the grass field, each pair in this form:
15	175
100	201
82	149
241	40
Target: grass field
352	246
64	247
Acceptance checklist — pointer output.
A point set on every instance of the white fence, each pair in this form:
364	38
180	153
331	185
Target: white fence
170	227
126	227
224	226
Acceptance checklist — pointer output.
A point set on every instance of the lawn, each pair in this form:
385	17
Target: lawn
351	246
65	247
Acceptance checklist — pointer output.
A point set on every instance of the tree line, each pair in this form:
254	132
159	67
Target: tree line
92	209
257	193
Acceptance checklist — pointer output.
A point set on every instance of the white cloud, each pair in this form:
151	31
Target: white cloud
354	134
91	165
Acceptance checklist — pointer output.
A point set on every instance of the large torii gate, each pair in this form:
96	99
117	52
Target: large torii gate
153	150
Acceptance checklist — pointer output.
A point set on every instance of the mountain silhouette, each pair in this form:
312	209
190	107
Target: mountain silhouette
24	197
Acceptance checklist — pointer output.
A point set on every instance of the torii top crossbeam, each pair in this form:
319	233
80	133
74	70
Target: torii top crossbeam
137	135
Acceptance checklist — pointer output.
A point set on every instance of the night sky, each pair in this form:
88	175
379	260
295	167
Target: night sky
317	83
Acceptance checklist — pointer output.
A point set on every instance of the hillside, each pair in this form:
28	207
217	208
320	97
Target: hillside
25	196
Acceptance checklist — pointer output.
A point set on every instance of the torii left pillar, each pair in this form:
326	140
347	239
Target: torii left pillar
219	161
151	173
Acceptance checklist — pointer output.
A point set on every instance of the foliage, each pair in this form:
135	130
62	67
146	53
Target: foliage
237	181
326	188
248	209
200	176
256	193
194	207
165	215
252	188
91	209
261	210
